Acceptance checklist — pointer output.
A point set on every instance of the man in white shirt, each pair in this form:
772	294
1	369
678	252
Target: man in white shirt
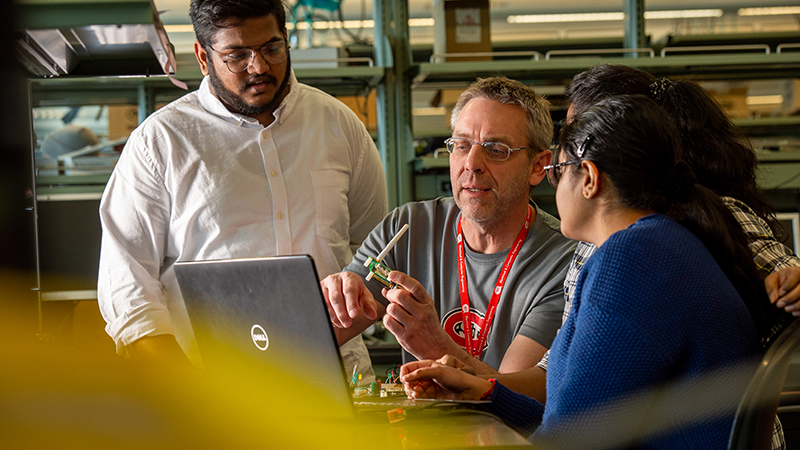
253	163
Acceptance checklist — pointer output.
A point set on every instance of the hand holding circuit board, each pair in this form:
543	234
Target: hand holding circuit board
348	298
411	313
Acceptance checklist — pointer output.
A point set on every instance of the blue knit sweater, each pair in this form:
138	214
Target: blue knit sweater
653	312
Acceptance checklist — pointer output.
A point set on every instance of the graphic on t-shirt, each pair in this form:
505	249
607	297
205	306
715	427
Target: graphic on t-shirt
454	326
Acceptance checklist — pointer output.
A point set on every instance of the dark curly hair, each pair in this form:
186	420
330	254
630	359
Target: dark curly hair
716	150
208	16
638	149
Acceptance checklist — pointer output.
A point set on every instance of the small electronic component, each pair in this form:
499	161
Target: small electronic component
356	377
393	374
396	415
377	269
361	392
380	272
375	388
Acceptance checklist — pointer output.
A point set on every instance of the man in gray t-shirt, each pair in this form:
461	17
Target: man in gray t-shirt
532	300
513	260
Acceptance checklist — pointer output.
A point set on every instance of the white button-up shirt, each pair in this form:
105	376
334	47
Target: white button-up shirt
197	182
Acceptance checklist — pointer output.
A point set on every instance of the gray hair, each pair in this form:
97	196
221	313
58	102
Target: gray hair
512	92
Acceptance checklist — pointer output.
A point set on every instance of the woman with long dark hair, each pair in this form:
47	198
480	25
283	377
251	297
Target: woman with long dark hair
720	156
722	159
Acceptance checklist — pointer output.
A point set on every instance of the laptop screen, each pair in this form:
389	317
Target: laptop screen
265	320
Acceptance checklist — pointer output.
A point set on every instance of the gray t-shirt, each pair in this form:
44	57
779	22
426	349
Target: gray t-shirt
532	300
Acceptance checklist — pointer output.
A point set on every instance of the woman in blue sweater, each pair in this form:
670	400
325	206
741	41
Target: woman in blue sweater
670	303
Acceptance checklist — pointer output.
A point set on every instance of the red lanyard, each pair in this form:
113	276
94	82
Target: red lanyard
476	349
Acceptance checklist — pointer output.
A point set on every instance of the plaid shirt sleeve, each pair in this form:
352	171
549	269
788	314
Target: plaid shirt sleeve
768	253
582	253
770	256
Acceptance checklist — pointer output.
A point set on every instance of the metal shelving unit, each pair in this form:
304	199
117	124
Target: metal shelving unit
778	170
59	193
87	37
393	75
728	66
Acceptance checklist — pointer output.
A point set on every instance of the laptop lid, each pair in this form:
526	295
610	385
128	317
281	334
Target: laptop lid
263	322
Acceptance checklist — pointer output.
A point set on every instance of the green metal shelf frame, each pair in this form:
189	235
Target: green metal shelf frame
729	66
392	51
394	75
90	90
43	14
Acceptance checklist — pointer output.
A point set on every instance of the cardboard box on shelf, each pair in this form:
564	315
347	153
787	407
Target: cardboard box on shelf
446	98
757	98
730	95
461	26
734	102
122	119
365	109
791	96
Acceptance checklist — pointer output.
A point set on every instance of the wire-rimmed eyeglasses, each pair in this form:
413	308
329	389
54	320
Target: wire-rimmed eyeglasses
495	151
240	59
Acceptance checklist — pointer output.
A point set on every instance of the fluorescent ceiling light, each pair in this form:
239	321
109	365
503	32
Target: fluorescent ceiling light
613	16
774	11
554	18
425	22
179	28
329	25
428	111
683	14
755	100
325	25
317	25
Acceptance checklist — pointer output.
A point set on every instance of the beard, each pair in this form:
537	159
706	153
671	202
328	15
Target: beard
234	103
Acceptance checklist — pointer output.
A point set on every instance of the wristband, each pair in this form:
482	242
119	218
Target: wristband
488	393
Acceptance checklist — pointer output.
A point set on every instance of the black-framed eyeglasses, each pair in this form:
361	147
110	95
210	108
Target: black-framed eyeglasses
554	171
495	151
239	60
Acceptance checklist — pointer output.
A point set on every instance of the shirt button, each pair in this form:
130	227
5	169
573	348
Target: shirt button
273	173
280	216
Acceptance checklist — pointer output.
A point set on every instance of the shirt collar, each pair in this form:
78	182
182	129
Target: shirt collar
287	105
212	104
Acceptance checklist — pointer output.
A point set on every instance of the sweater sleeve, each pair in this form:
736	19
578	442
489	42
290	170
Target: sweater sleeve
518	411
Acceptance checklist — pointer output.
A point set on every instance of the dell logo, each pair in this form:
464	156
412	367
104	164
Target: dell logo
260	337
